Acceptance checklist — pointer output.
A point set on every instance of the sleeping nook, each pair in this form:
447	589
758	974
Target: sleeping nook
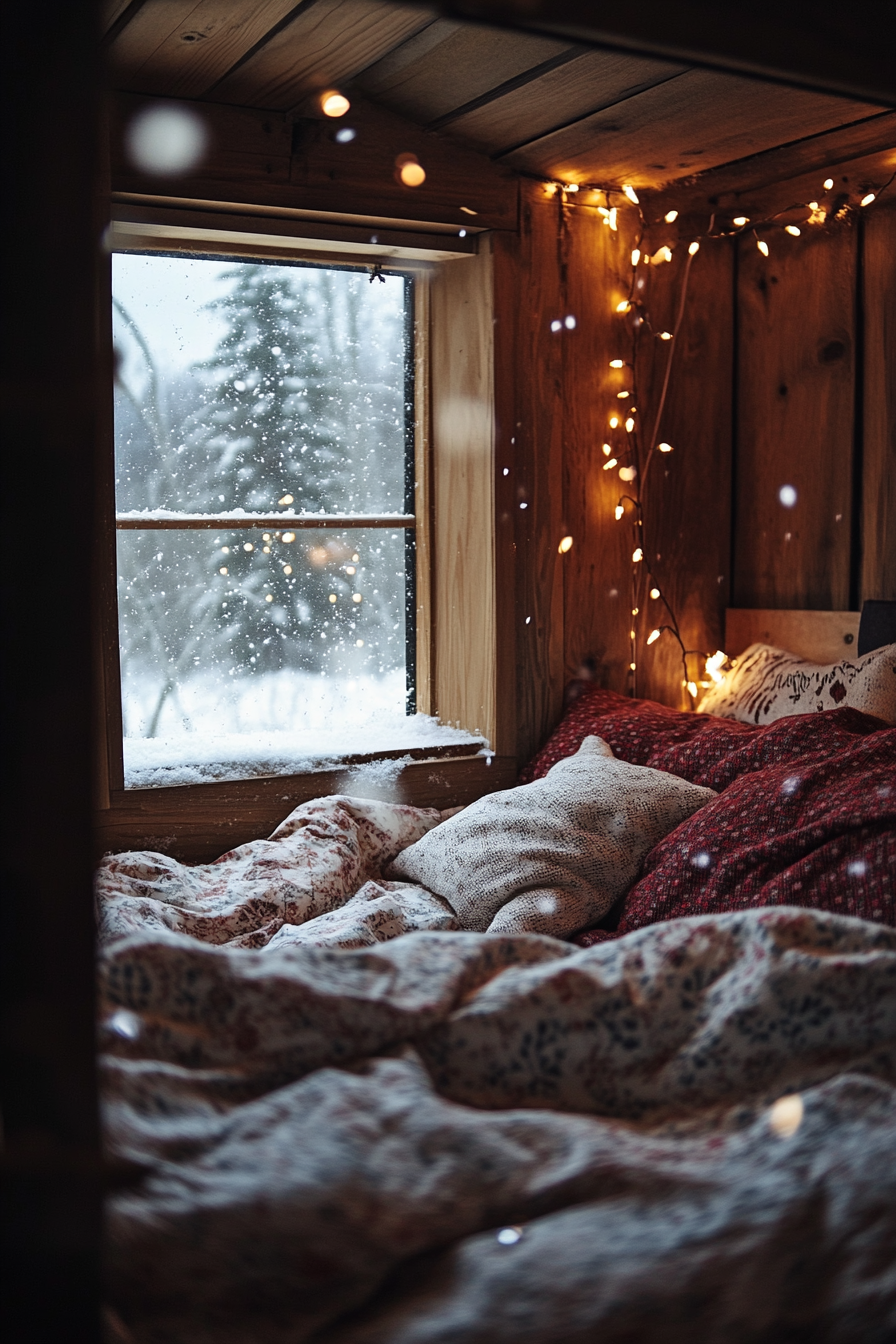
456	673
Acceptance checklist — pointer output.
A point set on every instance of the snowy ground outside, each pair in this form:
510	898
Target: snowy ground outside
273	724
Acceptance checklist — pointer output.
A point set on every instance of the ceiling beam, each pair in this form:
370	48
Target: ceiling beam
824	45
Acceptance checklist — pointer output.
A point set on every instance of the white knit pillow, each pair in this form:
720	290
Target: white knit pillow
553	856
768	684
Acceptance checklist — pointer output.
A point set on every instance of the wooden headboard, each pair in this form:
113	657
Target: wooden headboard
819	636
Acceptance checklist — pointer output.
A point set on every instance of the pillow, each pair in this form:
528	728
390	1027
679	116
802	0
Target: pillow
768	684
552	856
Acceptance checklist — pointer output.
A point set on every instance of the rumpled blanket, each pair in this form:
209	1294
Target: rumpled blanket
438	1135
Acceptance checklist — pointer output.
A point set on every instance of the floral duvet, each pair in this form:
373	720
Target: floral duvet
348	1120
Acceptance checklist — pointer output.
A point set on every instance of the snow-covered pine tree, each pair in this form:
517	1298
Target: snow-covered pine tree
304	402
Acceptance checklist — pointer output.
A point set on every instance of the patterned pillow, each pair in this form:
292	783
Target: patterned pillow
554	855
768	684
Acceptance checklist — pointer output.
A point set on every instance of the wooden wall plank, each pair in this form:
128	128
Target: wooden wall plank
597	570
819	636
182	47
687	493
529	285
796	325
683	126
333	41
878	565
463	504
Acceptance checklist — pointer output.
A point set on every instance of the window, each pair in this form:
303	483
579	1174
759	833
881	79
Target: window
265	520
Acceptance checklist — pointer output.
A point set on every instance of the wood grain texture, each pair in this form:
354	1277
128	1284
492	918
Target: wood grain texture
878	572
683	126
687	493
587	83
327	45
462	391
763	184
181	48
425	79
796	324
196	824
258	158
818	636
529	286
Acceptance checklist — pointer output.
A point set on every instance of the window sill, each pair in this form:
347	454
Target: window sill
197	823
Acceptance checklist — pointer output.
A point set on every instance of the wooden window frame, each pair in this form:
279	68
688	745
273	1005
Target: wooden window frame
454	434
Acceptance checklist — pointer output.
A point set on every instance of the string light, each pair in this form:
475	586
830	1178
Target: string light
565	545
665	336
636	256
763	246
654	593
627	473
609	465
618	511
694	248
692	689
670	216
740	220
606	450
653	636
614	421
665	447
714	665
571	186
629	425
866	200
792	230
410	172
623	307
637	555
334	104
630	192
828	183
617	363
623	396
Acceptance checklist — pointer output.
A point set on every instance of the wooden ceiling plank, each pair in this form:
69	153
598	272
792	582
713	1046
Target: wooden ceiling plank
181	48
329	44
696	121
493	95
867	146
467	63
588	84
114	15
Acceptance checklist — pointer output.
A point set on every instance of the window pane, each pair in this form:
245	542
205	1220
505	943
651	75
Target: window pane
239	384
300	634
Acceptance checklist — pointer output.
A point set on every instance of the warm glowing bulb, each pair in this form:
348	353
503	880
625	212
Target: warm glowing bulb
565	545
571	186
866	200
671	216
632	666
635	610
611	219
763	246
792	230
665	335
664	447
632	634
623	396
694	248
637	556
334	104
288	537
636	256
630	193
332	597
610	463
828	183
606	450
286	499
666	253
619	511
740	220
550	188
654	592
614	421
412	174
623	307
617	363
692	689
629	425
627	473
653	636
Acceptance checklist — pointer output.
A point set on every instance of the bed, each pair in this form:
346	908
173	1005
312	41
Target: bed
347	1110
